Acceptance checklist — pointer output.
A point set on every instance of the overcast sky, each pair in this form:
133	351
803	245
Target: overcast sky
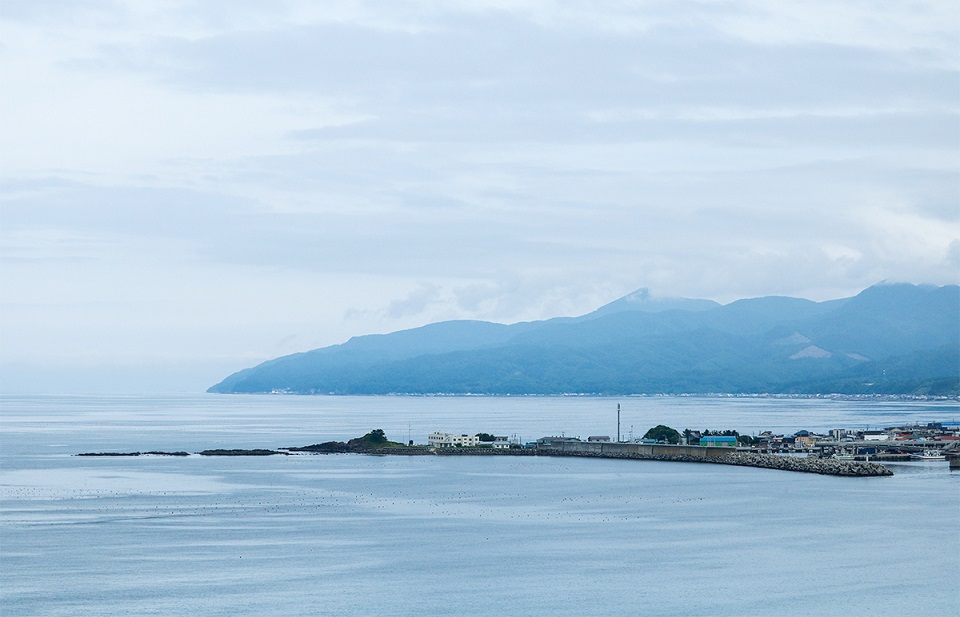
189	188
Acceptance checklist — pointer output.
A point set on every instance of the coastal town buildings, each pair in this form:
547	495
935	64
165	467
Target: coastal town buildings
838	442
805	439
718	440
440	439
552	441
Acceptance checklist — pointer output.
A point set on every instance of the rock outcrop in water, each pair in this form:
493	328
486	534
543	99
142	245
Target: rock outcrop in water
327	447
151	453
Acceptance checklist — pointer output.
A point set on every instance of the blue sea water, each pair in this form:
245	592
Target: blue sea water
361	535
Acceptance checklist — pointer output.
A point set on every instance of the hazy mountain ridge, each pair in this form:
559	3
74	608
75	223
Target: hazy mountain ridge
889	339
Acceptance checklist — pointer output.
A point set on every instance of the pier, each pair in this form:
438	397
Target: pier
712	454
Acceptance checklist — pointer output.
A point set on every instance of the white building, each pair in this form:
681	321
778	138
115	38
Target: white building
439	439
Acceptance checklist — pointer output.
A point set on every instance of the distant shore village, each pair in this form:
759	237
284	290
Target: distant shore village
934	440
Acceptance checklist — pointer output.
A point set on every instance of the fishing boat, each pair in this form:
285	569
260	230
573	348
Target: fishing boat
929	455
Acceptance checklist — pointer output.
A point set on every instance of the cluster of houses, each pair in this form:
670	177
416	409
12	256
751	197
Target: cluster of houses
934	433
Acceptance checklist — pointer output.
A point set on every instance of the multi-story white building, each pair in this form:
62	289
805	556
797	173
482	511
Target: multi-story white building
439	439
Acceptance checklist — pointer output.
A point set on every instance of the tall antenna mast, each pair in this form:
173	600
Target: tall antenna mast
618	422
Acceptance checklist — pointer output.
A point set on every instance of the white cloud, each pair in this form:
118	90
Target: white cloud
208	181
877	24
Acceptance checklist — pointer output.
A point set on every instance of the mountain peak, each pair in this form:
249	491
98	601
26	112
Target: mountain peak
643	300
640	295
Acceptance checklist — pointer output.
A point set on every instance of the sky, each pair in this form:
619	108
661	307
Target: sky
188	188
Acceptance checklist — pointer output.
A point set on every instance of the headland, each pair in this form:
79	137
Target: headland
615	450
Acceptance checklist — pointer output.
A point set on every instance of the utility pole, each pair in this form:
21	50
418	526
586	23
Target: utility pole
618	422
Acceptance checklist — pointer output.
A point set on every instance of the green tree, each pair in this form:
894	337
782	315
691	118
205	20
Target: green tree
486	437
663	433
375	436
726	433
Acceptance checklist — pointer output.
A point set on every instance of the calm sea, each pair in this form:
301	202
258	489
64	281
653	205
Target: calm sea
368	535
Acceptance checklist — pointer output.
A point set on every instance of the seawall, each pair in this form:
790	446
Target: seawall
713	454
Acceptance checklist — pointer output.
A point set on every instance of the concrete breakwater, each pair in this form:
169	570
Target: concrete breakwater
425	451
685	454
825	466
723	456
486	452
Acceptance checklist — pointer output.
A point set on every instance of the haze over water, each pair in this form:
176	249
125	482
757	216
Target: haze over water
357	535
190	188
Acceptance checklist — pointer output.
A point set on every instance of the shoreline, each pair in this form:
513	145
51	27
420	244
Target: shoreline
836	396
677	454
